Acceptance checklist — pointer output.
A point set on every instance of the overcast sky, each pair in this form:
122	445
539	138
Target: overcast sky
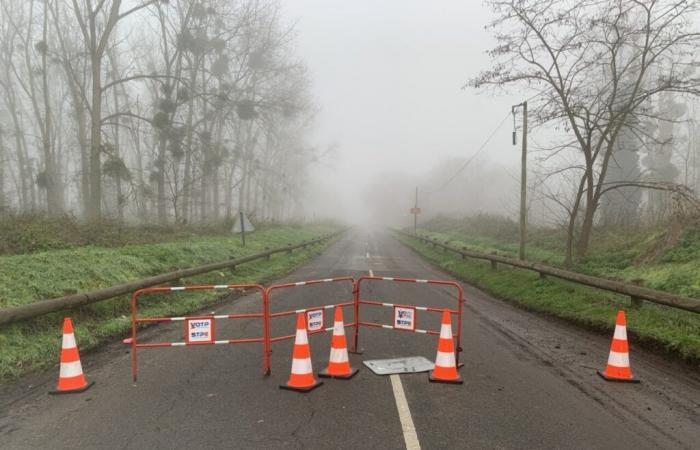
388	79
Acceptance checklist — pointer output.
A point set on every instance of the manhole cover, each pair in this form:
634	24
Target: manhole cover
411	364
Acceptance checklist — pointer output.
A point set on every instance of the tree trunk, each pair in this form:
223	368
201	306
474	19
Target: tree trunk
3	163
54	187
95	205
84	154
161	178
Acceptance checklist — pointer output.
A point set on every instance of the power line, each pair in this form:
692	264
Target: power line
471	158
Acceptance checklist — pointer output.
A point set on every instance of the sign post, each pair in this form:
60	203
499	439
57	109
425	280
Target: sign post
415	211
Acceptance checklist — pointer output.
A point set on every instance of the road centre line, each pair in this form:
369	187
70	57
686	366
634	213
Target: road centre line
409	430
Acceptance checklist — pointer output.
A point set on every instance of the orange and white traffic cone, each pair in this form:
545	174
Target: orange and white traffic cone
338	362
71	378
302	377
445	370
618	368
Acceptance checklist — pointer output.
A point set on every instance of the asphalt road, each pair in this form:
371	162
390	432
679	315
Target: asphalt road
529	381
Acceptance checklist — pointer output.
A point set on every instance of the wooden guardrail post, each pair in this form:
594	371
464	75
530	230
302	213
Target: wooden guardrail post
636	302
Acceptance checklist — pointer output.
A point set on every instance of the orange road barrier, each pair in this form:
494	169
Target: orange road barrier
70	378
302	376
618	368
199	330
445	370
338	362
405	317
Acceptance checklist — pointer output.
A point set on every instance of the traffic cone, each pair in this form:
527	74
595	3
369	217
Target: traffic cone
302	377
618	368
70	378
445	370
338	362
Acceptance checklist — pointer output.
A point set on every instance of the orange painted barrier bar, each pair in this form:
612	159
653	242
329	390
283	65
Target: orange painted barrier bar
405	315
200	329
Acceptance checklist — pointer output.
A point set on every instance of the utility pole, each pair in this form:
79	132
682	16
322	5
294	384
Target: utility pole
415	214
523	179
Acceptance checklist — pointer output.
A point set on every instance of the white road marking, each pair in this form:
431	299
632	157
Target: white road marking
409	430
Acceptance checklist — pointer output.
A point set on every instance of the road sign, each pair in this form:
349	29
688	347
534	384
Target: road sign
412	364
242	224
415	211
404	318
199	331
314	320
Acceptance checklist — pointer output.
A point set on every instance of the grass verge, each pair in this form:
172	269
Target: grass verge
618	253
34	344
674	331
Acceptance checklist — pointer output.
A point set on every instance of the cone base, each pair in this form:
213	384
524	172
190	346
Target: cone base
301	389
73	391
620	380
324	374
432	379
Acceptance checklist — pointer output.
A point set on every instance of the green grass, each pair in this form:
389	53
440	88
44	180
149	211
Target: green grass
618	254
31	345
675	331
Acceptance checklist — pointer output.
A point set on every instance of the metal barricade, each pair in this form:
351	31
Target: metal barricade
201	329
405	315
315	313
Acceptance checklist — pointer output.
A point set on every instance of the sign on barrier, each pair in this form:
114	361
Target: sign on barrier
199	331
314	320
405	318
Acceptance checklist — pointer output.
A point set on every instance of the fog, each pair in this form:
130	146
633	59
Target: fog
388	79
186	112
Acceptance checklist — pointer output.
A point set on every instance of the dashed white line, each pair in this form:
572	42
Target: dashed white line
409	430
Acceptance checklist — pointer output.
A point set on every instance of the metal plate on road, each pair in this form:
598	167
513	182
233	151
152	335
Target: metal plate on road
411	364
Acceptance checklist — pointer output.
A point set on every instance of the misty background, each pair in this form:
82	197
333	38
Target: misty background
388	79
183	111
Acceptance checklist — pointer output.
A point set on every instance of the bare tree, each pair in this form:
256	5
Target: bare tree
595	65
97	22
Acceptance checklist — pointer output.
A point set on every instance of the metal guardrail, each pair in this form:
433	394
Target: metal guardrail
41	307
636	293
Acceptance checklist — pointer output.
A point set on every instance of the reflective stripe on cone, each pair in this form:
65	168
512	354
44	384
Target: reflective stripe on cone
70	377
618	367
301	378
338	362
445	370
